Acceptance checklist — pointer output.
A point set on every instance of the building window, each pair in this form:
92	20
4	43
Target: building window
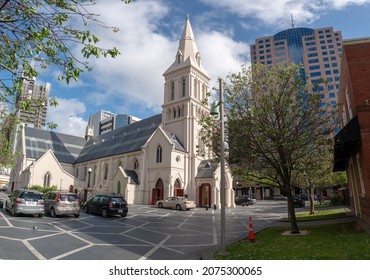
106	169
183	86
119	187
47	179
136	164
159	154
172	90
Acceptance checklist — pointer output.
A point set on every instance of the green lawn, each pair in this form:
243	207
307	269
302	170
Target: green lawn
346	241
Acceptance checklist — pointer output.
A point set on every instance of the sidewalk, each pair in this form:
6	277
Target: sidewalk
208	254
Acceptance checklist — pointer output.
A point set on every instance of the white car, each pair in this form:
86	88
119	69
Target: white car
176	202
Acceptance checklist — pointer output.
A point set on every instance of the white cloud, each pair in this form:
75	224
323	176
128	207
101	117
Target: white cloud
68	116
278	12
221	55
134	79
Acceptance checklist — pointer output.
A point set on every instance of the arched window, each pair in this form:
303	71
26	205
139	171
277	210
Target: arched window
106	169
172	90
179	112
47	179
119	187
174	113
183	86
136	164
77	172
177	184
159	154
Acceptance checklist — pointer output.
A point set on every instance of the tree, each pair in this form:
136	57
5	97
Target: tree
276	126
45	31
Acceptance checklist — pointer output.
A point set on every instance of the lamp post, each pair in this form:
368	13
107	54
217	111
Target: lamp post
88	183
222	163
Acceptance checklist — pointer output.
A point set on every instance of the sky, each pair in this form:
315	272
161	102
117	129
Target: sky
148	36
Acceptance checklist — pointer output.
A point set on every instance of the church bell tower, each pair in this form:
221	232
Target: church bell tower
186	86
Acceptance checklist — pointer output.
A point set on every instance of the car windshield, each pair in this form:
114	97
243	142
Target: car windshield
68	197
30	196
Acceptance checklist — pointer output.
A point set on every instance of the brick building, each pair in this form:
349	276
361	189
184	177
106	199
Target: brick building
352	143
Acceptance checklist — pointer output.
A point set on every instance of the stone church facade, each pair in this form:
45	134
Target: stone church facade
145	161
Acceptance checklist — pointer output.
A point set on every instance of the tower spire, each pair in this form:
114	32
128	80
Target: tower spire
187	52
292	20
89	130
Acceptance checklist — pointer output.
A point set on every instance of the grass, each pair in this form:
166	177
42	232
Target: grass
346	241
322	214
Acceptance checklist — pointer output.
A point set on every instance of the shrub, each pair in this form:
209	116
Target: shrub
43	189
336	199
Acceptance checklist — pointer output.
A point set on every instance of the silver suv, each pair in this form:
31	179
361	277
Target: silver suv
62	203
22	201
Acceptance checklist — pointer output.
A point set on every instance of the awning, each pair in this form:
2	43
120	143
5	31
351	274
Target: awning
343	143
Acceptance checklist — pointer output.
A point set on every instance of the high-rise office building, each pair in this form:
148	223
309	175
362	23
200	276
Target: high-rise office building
104	121
319	50
37	95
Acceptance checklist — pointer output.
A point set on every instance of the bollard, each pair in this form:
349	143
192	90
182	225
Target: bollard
251	232
214	206
207	207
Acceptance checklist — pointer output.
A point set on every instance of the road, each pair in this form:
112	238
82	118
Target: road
146	233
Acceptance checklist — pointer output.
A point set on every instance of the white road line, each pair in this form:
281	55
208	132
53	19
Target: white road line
33	250
151	252
6	219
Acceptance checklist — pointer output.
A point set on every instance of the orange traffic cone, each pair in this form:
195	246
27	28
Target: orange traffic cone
251	232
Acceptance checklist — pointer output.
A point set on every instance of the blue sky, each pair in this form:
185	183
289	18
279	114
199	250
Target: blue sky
148	36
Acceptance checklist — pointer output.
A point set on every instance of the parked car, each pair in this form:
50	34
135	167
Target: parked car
279	197
107	205
62	203
176	202
298	201
244	200
304	196
23	201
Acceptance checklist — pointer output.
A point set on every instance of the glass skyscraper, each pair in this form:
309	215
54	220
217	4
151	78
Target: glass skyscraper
319	50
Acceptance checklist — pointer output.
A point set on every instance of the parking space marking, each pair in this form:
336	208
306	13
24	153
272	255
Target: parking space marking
33	250
153	250
6	219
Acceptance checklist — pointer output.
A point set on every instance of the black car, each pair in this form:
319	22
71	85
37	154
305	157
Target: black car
107	205
304	196
298	201
243	200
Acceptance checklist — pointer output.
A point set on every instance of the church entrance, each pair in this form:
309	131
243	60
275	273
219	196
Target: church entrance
157	192
204	195
178	191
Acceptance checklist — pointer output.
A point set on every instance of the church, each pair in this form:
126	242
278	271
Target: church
145	161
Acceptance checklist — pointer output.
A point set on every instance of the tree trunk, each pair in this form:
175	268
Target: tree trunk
312	201
293	220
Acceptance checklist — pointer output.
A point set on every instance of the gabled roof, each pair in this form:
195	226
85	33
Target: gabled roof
119	141
206	168
175	141
133	175
65	147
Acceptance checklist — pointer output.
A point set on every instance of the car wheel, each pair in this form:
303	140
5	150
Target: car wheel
178	207
123	215
87	210
6	207
41	215
160	205
76	215
104	213
52	213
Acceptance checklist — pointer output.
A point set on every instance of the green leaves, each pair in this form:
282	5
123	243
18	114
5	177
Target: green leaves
41	33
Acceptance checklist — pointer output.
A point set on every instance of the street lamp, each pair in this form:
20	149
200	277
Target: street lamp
214	111
88	183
